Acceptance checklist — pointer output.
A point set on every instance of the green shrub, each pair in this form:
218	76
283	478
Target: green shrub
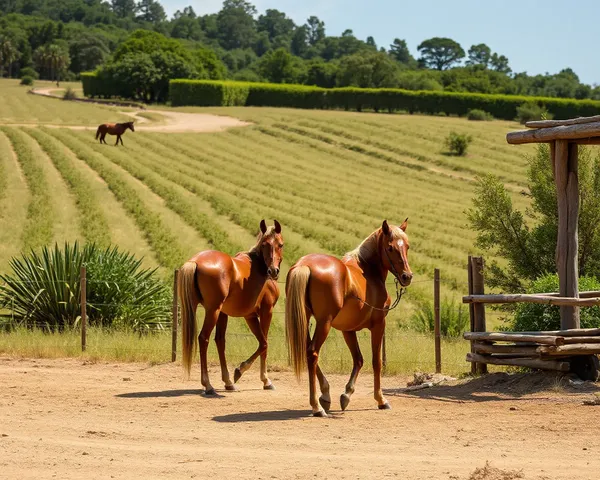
29	72
479	115
207	93
27	80
535	317
43	290
458	143
69	94
454	318
531	111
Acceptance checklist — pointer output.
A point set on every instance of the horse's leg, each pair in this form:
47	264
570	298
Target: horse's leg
325	398
265	323
254	325
376	341
220	341
321	332
210	320
117	142
121	138
357	359
102	135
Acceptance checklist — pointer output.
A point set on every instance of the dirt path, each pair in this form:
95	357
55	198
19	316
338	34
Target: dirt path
67	419
175	122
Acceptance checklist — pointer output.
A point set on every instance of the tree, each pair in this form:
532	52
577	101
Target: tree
275	23
8	54
299	44
236	27
399	51
151	11
279	66
87	51
440	53
367	69
499	63
371	42
528	241
316	30
52	59
479	55
123	8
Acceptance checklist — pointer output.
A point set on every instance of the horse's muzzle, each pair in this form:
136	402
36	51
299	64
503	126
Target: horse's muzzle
273	272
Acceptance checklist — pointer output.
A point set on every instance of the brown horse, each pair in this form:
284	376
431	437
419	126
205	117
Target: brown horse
240	286
349	295
117	129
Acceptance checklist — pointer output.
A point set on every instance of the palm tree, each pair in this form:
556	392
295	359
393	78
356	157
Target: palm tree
54	58
8	54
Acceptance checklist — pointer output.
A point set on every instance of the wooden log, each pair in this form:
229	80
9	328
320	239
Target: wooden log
478	309
522	298
471	308
83	301
587	141
579	332
542	135
514	337
174	318
437	321
574	349
560	123
592	340
586	294
506	349
520	362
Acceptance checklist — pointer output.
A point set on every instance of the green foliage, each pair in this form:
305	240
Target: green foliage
43	290
280	66
529	247
367	69
27	80
530	317
454	318
29	72
205	93
531	111
458	143
440	53
69	94
479	115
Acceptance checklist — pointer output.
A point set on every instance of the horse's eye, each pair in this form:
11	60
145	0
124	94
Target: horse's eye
281	246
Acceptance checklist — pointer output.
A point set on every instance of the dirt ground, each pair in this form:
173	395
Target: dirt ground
71	419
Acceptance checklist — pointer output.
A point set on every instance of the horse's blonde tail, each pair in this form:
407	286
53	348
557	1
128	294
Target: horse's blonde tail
188	298
296	320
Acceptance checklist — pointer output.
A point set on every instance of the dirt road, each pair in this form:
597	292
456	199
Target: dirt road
66	419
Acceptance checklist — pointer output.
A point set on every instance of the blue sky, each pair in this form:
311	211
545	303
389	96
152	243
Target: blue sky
537	36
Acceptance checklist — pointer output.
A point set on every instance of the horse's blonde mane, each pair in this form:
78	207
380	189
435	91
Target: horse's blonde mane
368	247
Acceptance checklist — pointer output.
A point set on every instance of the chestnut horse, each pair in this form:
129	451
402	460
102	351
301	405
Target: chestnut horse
241	286
349	295
117	129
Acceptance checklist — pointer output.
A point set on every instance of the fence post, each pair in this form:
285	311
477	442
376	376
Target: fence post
477	265
83	288
471	310
383	354
437	324
175	317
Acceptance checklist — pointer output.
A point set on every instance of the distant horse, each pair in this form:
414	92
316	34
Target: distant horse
117	129
241	286
349	295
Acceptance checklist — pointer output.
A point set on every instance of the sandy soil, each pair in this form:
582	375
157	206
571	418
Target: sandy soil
174	121
69	419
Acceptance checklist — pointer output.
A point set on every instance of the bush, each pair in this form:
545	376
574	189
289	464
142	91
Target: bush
532	111
454	318
69	94
29	72
206	93
479	115
458	143
27	80
535	317
43	290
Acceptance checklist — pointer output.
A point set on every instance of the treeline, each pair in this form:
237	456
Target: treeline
60	39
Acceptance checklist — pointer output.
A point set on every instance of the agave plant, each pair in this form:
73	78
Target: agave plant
44	290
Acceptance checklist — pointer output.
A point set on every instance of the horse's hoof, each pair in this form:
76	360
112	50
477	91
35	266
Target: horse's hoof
326	404
210	392
344	401
237	375
270	386
385	406
320	414
231	388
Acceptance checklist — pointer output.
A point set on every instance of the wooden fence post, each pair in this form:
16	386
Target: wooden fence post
175	318
437	323
83	288
471	310
383	353
477	265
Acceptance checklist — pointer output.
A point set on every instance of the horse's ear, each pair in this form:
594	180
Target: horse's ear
404	225
385	227
277	227
263	227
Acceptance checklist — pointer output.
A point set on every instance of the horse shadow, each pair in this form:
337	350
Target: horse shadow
503	387
267	416
168	394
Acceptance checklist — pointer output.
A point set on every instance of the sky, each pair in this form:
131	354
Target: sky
537	36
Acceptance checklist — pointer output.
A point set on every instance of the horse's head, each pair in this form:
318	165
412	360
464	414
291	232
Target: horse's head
270	246
130	126
394	251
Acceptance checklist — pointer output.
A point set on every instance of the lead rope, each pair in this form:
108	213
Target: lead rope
399	292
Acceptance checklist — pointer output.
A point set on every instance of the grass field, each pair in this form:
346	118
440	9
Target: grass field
330	178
